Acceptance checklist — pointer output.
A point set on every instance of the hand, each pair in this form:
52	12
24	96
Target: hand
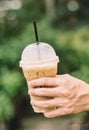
67	94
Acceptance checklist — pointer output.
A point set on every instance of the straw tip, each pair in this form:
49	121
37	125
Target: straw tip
36	33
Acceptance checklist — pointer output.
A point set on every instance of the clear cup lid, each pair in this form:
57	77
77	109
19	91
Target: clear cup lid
34	54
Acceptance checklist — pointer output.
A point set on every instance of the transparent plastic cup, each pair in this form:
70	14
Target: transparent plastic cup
37	61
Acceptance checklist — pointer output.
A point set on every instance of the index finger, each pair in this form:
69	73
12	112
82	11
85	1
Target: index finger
43	82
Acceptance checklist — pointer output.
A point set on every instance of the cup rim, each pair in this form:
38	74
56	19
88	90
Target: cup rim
42	63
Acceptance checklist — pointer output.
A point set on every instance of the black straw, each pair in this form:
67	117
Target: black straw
36	33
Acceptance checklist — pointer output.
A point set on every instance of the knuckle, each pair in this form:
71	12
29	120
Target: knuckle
67	75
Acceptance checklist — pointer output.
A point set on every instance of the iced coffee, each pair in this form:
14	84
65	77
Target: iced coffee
39	61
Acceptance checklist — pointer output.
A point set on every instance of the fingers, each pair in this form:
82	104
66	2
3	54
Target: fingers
43	82
50	82
53	102
53	107
47	87
49	92
58	112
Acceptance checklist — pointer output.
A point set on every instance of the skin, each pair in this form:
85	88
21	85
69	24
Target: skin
65	94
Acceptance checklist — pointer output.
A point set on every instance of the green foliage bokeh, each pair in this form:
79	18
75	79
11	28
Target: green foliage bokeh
71	44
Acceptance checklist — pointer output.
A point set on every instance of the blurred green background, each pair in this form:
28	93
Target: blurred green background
64	24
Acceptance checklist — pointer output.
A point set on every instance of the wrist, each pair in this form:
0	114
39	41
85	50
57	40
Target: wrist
84	95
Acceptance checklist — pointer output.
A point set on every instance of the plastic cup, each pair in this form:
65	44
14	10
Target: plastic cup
37	61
